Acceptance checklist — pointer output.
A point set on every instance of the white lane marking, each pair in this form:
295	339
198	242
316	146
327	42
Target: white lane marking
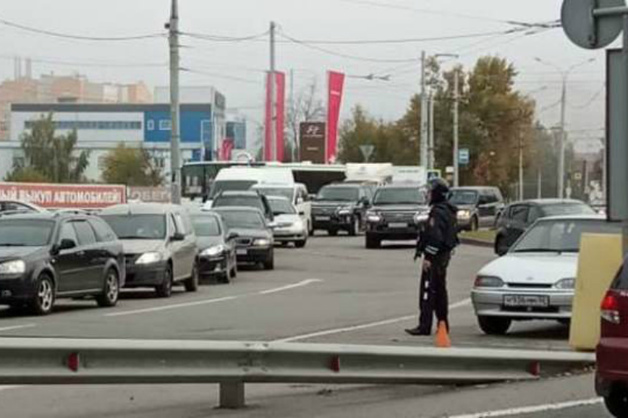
453	306
532	409
8	387
210	301
16	327
290	287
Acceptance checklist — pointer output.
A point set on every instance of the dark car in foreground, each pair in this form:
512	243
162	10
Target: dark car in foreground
45	257
254	242
216	247
517	217
159	245
478	207
393	214
340	207
612	351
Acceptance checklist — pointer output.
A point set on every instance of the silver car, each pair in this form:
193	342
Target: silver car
536	279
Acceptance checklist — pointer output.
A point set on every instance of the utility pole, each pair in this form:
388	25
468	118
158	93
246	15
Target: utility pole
424	133
271	93
539	183
175	153
456	129
431	158
521	166
563	139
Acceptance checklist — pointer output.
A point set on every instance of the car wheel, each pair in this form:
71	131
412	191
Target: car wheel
44	299
300	244
270	263
494	325
475	224
617	402
332	232
500	246
164	290
372	243
355	227
111	291
191	284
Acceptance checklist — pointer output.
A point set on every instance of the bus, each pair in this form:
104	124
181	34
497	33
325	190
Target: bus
197	177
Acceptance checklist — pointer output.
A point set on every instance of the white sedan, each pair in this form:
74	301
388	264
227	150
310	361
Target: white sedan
535	280
289	225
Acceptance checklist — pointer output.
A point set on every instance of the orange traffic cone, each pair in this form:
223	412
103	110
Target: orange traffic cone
442	336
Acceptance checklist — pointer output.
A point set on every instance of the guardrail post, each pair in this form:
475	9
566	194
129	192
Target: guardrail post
232	395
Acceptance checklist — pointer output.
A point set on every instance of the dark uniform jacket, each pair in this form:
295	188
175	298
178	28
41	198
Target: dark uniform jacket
440	233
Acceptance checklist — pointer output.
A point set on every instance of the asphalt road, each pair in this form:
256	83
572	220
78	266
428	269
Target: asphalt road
333	291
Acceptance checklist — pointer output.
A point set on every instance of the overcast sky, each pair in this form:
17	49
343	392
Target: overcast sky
236	68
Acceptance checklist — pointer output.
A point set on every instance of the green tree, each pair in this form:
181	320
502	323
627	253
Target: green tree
50	157
132	167
26	175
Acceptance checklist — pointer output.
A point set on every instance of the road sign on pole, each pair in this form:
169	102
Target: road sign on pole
586	30
464	156
367	152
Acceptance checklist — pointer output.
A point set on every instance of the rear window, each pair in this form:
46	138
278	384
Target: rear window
568	209
230	185
137	226
239	201
621	280
206	226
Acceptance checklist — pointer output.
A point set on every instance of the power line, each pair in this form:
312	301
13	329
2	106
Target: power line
79	37
215	75
220	38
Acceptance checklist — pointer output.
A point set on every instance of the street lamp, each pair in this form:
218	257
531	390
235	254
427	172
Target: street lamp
563	108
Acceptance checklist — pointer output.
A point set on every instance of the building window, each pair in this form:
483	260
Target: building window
150	125
165	125
92	125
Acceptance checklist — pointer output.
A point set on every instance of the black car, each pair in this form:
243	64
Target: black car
44	257
216	247
341	207
249	199
254	242
517	217
477	206
393	215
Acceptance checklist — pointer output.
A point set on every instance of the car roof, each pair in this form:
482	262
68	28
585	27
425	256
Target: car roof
50	216
402	186
141	209
574	218
279	198
245	193
345	185
475	188
547	202
237	209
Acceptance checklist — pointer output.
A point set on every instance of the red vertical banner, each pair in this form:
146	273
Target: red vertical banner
226	149
280	117
335	83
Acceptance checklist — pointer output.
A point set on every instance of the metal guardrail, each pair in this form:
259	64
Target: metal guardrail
43	361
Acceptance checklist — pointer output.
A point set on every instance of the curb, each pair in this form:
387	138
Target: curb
477	242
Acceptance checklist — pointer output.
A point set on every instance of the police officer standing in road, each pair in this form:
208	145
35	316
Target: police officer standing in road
437	240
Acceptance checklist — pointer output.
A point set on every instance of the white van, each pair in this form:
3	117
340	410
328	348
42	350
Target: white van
244	178
296	193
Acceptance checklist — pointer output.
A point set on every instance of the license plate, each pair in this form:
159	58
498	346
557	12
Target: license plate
323	218
526	301
398	225
242	252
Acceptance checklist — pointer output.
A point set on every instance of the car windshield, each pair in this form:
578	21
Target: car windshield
282	207
25	233
137	226
463	197
230	186
561	235
239	201
338	194
206	226
236	219
413	196
286	192
567	209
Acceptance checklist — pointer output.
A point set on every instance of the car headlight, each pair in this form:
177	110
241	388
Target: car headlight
149	258
373	217
13	267
345	211
488	281
421	217
464	214
566	284
214	251
262	242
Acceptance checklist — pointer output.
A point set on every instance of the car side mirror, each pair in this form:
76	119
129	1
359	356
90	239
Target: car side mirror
178	237
302	213
232	235
66	244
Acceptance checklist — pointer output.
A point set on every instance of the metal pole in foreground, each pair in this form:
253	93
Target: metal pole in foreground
456	129
431	157
424	116
521	167
625	51
175	152
563	139
271	89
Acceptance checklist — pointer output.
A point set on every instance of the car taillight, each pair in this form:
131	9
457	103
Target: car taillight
610	309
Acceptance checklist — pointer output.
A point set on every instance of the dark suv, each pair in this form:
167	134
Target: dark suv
477	206
517	217
341	207
44	257
393	215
